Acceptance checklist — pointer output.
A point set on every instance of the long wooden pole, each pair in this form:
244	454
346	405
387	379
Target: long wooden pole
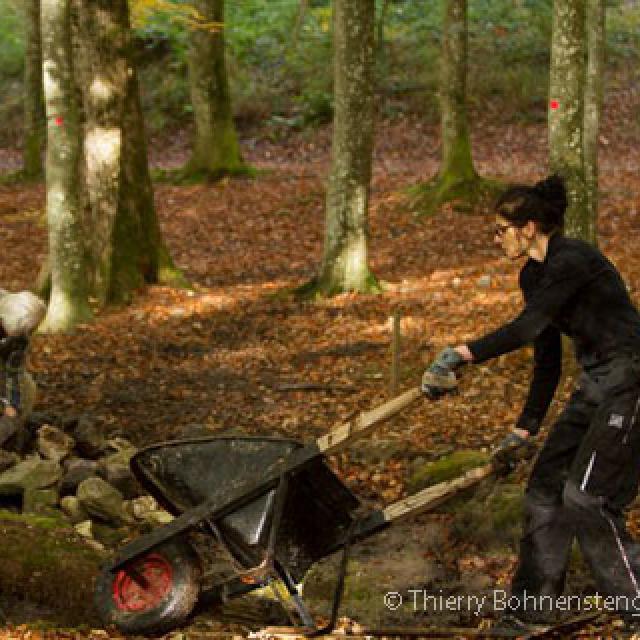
342	435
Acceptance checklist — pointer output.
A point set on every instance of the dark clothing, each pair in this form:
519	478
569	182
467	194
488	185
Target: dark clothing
585	475
588	469
575	291
12	369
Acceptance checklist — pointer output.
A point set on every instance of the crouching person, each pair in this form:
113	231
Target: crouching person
20	314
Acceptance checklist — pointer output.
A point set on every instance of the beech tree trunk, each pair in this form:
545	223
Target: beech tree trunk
595	35
34	120
345	264
457	180
566	111
457	163
215	146
124	244
68	300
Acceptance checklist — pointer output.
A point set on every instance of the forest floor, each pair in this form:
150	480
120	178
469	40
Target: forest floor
220	352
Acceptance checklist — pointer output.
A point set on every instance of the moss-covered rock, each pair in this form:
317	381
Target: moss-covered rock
41	501
447	468
492	520
39	554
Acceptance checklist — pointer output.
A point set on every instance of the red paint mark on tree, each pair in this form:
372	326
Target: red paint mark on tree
554	104
59	121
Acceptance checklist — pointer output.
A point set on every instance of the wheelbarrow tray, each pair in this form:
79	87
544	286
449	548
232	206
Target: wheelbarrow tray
318	509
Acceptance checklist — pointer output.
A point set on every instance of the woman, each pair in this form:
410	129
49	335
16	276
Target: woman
588	468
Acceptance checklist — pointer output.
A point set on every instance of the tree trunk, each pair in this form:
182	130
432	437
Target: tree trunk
34	120
215	148
68	301
124	246
457	180
344	266
595	30
139	253
457	164
566	111
381	52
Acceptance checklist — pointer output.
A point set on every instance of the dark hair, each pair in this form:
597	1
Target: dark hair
544	203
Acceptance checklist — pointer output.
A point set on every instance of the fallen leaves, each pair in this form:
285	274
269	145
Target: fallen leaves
216	354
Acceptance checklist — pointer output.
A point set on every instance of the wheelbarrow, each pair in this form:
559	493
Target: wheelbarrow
265	509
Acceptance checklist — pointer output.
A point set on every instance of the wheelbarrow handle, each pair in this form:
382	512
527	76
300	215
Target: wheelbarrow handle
342	435
435	495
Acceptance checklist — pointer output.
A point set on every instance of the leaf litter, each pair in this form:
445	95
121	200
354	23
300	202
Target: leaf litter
216	354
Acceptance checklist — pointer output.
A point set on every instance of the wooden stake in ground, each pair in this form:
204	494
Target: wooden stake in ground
395	352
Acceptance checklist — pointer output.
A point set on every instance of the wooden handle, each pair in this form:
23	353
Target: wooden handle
435	495
364	424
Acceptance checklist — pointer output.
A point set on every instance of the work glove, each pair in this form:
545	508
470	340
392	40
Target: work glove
439	378
510	451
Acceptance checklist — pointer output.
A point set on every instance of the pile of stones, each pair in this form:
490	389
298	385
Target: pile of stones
67	468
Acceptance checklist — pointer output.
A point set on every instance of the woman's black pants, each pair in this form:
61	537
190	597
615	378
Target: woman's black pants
585	475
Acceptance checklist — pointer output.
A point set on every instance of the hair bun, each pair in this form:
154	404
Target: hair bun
551	188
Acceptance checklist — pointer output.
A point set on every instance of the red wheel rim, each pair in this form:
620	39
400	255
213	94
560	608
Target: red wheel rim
143	584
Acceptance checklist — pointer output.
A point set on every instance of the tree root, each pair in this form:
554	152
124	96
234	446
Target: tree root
317	288
467	195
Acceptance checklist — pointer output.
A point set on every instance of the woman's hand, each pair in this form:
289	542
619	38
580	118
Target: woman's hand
439	378
464	352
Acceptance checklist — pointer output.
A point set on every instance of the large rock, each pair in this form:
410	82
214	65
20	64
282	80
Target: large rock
32	473
90	440
53	443
41	501
76	470
45	562
72	508
116	471
102	501
446	468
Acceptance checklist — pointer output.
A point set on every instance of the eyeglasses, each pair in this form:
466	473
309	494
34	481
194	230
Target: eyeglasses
500	229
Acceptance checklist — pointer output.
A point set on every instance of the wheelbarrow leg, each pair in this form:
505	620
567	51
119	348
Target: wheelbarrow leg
303	612
278	570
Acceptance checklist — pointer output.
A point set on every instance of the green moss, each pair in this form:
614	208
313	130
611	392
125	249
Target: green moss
447	468
467	194
492	520
40	554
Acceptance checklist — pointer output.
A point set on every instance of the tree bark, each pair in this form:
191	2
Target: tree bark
593	91
566	111
124	247
381	52
344	265
457	181
457	163
68	301
34	120
215	146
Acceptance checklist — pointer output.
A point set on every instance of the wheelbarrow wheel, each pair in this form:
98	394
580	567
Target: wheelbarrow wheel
151	594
